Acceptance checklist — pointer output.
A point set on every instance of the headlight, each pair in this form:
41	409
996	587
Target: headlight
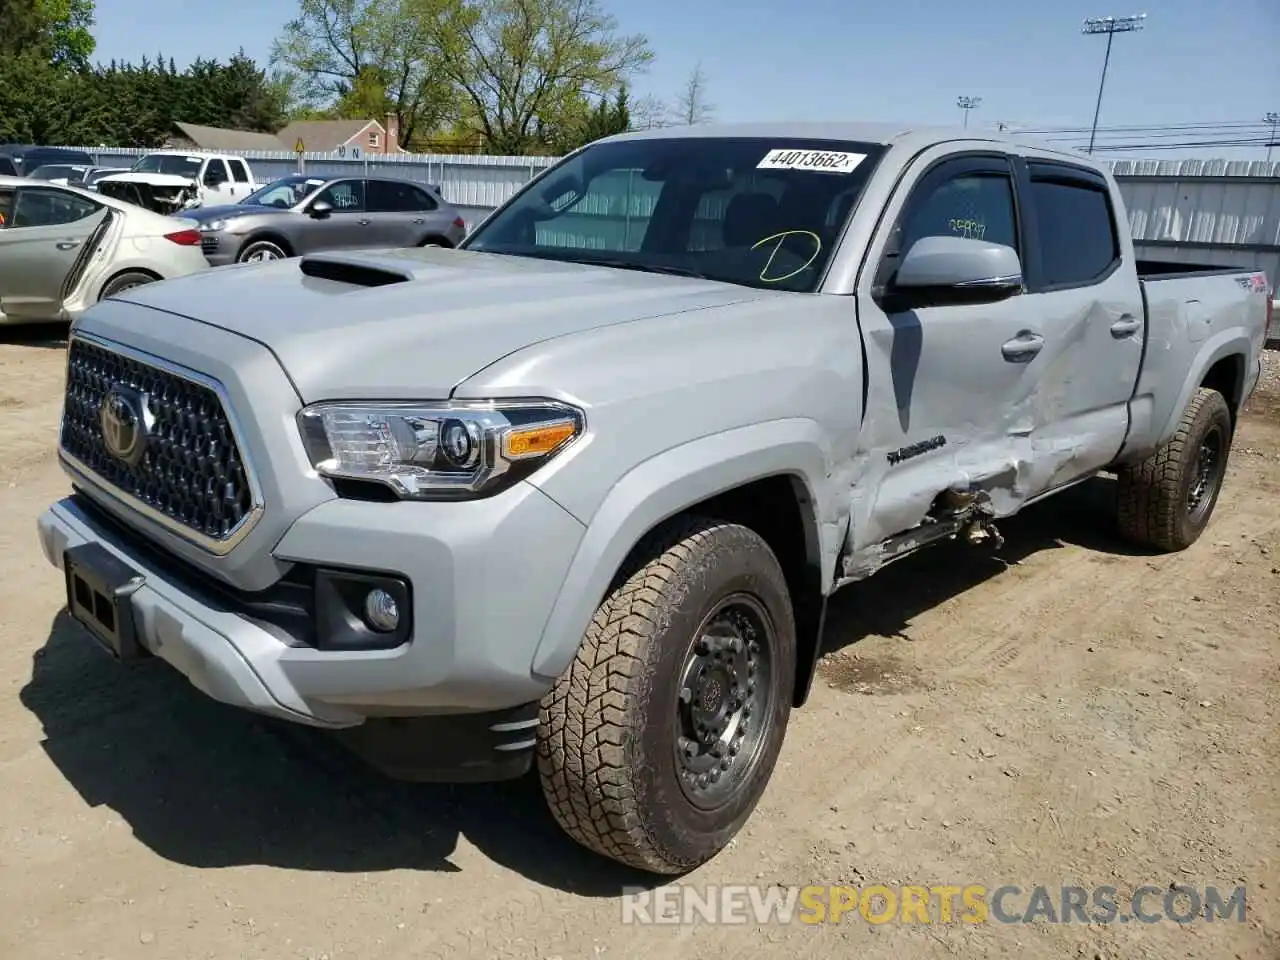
213	226
444	451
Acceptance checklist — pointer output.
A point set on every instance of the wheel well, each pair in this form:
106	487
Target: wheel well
1227	377
435	238
120	273
275	238
780	510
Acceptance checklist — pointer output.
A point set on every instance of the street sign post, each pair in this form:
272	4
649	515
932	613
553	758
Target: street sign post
352	152
299	149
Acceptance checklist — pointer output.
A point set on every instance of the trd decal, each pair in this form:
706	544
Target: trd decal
916	449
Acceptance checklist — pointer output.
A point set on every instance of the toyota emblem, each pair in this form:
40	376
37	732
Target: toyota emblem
124	431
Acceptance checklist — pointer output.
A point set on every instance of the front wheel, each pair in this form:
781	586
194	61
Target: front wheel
1166	500
658	740
261	250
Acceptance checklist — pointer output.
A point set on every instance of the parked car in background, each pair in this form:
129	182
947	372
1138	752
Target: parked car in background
66	175
171	181
95	174
19	159
298	215
62	249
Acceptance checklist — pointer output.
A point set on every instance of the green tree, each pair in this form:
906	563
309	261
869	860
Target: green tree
526	65
610	115
342	51
58	31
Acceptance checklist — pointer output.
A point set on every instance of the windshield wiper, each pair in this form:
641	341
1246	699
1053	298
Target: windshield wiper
622	264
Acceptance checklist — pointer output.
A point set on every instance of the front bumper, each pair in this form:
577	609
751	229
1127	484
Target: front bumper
478	610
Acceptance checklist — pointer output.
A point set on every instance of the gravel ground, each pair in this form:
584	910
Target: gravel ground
1069	712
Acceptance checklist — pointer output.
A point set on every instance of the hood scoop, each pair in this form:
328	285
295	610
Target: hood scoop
351	272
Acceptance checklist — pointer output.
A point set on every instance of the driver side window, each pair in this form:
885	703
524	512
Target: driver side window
215	174
977	204
345	196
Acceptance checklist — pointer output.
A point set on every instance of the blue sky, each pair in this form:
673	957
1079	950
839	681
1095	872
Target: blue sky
1195	62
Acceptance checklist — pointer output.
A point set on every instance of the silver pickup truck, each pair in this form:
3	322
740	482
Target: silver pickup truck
575	495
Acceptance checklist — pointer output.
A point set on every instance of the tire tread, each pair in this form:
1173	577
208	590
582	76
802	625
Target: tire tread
584	728
1149	505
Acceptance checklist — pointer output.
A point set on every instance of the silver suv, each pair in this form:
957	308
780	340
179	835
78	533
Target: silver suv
298	215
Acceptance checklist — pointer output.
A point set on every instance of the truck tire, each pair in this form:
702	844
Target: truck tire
695	638
1166	500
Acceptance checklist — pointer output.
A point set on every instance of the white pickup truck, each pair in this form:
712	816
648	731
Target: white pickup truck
170	181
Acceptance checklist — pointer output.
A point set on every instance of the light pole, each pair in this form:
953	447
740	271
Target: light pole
1110	26
966	104
1272	118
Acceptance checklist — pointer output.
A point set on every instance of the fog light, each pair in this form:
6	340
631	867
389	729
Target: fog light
381	611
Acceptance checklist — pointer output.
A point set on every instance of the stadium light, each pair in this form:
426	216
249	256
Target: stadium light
1110	26
966	104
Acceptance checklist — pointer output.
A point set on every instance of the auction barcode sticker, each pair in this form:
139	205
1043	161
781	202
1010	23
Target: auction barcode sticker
821	161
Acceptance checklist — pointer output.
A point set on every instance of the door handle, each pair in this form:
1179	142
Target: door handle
363	222
1023	347
419	220
1126	325
68	244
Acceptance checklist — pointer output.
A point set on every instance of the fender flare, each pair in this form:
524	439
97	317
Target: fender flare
1226	344
660	488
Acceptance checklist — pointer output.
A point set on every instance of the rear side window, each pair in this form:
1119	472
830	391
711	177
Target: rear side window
425	200
1075	229
7	168
396	196
239	171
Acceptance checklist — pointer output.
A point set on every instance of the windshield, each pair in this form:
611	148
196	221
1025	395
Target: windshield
285	192
760	212
169	163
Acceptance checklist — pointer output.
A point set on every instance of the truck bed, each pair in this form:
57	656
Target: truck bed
1178	269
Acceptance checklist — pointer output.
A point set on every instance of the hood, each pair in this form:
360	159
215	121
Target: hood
155	179
453	313
226	211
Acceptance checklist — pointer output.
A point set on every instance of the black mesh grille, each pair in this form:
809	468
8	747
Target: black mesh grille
190	468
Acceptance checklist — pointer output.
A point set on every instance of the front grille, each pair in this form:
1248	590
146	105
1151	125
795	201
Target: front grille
189	467
209	244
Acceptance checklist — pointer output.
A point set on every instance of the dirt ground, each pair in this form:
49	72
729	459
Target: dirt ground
1070	714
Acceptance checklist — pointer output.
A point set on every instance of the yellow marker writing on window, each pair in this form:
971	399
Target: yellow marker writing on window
781	238
973	229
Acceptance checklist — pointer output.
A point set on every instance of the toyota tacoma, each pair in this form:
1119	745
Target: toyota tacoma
573	497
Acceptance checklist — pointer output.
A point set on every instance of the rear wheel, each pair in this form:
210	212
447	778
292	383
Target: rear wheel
260	250
657	742
125	281
1166	500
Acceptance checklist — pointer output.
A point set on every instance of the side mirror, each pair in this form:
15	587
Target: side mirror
959	268
320	209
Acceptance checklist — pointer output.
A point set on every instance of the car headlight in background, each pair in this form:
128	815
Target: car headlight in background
444	451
